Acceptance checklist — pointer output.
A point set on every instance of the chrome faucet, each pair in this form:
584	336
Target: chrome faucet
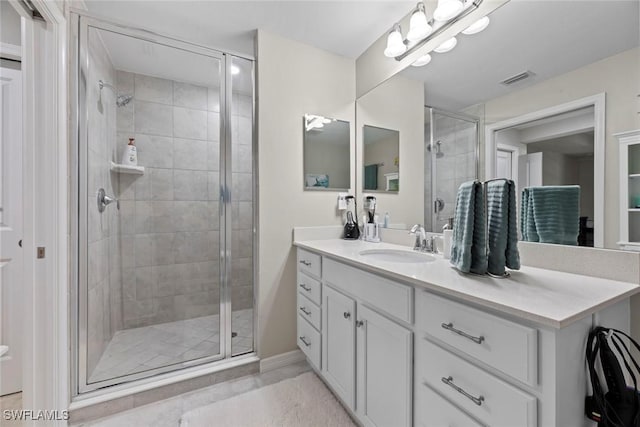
423	244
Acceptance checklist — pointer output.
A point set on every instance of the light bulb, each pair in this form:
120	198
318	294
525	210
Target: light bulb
395	44
419	27
447	45
447	9
422	61
235	70
477	26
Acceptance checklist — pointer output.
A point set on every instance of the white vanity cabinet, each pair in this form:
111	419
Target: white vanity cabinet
309	321
398	354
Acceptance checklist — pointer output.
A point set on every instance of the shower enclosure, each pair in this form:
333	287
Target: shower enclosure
451	158
165	248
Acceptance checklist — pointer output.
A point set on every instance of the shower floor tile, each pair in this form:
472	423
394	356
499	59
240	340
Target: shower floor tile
149	347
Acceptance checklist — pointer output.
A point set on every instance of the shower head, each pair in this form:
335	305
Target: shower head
121	100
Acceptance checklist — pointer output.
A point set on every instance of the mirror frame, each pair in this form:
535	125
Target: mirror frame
325	189
598	104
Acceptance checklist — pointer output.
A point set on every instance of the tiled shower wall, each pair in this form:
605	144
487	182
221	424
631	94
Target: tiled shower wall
170	215
104	275
457	165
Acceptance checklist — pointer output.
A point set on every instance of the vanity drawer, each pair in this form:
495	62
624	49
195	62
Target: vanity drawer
309	342
480	394
507	346
311	288
432	410
309	262
308	310
383	294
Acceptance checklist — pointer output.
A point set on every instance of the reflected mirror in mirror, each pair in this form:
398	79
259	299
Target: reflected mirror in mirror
381	159
512	70
327	153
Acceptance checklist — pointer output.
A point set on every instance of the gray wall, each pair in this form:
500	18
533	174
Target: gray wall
170	215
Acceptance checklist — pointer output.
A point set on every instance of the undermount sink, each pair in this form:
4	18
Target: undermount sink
397	255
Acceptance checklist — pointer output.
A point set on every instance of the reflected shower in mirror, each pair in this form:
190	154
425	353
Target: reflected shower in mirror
327	153
381	159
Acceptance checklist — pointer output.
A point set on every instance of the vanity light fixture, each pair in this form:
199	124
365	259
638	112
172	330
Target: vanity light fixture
419	27
395	44
447	9
477	26
447	45
422	61
422	29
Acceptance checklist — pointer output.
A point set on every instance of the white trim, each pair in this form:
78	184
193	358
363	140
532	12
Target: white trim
10	51
281	360
46	361
598	102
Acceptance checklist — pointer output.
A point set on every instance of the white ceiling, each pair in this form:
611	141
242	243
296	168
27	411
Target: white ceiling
580	144
347	28
548	37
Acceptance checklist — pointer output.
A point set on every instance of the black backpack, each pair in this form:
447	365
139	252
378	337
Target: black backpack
620	405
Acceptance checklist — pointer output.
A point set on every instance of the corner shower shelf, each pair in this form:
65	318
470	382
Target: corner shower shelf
134	170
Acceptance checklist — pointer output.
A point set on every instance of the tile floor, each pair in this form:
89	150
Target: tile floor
10	402
140	349
167	413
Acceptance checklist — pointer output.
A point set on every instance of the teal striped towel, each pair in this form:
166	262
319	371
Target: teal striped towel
503	228
551	214
468	248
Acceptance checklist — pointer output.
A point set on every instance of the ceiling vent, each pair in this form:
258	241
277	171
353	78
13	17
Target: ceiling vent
517	78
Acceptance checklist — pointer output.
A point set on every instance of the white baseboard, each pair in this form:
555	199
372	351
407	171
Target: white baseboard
280	360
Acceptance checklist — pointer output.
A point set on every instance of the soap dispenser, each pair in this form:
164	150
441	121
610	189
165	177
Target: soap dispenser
130	156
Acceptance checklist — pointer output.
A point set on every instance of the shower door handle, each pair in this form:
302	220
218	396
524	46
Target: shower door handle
438	205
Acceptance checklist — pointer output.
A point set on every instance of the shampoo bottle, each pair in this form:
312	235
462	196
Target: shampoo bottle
130	156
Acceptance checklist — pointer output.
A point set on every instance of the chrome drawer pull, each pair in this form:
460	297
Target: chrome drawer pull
449	327
305	311
359	323
346	315
304	340
305	263
449	381
305	287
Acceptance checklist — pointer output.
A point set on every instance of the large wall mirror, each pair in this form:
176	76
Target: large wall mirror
327	153
540	110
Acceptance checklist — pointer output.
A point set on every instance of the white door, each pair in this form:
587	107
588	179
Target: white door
385	351
504	164
339	344
10	230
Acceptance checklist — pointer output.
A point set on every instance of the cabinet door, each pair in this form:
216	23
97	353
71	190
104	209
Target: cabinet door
384	363
338	350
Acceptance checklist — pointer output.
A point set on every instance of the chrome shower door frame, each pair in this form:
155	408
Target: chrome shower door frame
81	22
432	157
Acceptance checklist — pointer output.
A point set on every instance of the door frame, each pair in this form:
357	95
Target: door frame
11	292
598	102
45	197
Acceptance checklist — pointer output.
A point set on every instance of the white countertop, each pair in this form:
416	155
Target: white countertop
547	297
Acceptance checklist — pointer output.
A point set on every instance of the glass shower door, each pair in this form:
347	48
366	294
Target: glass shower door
151	258
451	159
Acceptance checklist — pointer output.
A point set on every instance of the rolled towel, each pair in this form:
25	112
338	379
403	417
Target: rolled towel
468	249
502	227
551	214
